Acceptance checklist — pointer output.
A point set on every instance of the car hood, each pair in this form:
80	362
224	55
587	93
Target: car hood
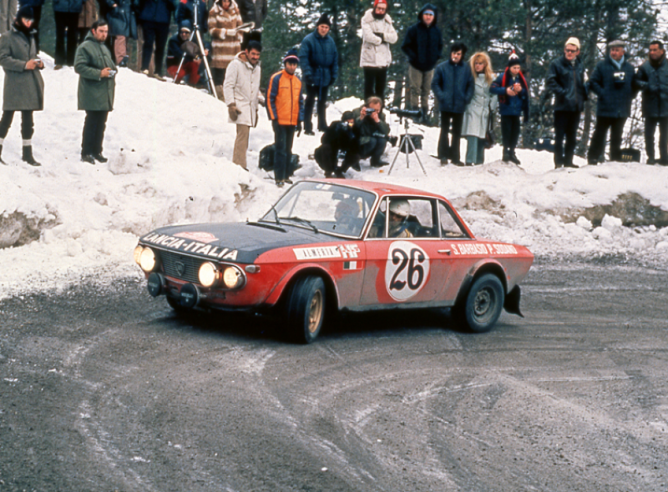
239	242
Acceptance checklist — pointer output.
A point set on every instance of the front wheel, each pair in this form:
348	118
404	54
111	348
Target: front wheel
483	304
306	309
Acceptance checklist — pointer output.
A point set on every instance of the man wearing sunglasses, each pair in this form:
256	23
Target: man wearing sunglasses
566	79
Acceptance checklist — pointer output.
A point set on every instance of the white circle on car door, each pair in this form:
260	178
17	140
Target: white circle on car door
406	270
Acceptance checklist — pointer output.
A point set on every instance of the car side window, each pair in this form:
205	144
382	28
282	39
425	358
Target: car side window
449	226
421	220
408	218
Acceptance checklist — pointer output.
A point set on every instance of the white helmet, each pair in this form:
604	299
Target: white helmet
400	207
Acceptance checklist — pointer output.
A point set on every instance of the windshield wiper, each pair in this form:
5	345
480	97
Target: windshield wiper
303	221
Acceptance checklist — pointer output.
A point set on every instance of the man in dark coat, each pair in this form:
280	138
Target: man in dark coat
154	17
566	80
320	66
339	137
612	81
122	26
24	87
652	80
66	14
373	132
453	86
423	45
178	46
96	69
254	11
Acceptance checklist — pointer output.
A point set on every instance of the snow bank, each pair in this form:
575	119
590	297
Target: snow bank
170	149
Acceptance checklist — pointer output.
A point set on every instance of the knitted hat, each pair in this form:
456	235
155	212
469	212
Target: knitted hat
617	44
324	19
291	56
513	59
574	41
376	2
185	26
25	13
347	115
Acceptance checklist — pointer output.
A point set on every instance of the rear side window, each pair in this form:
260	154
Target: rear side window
450	227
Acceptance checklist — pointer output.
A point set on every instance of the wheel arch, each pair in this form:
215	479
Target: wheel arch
331	290
476	272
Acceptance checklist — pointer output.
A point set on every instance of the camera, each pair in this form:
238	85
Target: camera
370	111
619	77
406	113
112	73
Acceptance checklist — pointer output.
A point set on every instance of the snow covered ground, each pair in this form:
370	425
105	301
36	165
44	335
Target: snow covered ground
170	149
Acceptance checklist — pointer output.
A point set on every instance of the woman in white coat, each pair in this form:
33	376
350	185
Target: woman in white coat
377	35
479	110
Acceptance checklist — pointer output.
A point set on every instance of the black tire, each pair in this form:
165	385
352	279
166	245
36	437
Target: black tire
483	304
305	309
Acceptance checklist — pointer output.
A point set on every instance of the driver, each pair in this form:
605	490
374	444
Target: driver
347	210
399	212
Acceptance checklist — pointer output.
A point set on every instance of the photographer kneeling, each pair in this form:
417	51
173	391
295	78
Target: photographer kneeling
339	136
373	131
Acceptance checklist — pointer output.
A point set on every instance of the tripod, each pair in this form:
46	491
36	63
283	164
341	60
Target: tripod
198	36
407	145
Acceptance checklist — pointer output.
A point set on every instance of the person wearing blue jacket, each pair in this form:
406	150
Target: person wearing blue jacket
66	14
453	86
154	17
423	45
186	11
319	60
513	92
612	82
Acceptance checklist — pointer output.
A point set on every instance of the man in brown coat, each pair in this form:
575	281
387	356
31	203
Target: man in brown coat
24	87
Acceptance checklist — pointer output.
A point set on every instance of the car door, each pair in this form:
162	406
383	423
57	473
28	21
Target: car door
412	268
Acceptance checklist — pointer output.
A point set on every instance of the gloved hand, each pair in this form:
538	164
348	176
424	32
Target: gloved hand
380	35
298	128
222	34
233	111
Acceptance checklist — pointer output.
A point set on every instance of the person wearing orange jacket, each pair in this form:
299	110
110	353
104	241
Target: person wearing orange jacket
286	112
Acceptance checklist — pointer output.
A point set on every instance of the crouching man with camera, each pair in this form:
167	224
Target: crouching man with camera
96	68
373	131
612	81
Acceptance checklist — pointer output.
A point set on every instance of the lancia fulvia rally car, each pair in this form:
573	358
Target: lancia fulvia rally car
338	245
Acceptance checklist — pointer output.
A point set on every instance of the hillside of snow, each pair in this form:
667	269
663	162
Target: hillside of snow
170	149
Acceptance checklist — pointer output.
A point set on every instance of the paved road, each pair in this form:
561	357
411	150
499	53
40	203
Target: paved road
102	388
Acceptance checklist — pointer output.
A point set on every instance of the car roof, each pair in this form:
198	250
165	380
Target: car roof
380	188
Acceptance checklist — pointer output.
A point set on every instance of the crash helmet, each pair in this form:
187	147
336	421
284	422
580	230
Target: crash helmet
400	207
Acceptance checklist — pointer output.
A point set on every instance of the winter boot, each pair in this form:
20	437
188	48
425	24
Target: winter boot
506	155
27	155
513	157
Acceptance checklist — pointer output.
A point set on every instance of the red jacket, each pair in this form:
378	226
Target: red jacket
284	99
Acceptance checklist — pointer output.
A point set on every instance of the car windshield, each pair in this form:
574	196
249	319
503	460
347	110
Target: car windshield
323	207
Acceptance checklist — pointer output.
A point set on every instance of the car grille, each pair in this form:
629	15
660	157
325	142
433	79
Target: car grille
180	266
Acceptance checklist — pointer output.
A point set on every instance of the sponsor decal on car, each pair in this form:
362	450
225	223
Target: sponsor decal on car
181	244
483	249
202	237
406	270
327	252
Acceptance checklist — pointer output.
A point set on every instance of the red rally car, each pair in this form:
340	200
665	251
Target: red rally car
331	245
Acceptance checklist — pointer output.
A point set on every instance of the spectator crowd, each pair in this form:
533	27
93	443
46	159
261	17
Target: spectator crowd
466	91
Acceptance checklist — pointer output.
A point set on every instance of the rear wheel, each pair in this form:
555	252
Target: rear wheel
306	309
483	304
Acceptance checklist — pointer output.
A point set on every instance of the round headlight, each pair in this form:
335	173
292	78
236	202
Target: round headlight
208	274
147	260
232	277
137	253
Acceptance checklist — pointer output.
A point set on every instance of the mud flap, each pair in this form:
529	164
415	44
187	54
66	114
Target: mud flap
512	302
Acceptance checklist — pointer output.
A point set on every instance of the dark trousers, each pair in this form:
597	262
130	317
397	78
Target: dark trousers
597	147
565	126
283	137
374	148
510	132
313	91
449	149
218	75
375	80
154	33
93	132
67	25
650	127
27	125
